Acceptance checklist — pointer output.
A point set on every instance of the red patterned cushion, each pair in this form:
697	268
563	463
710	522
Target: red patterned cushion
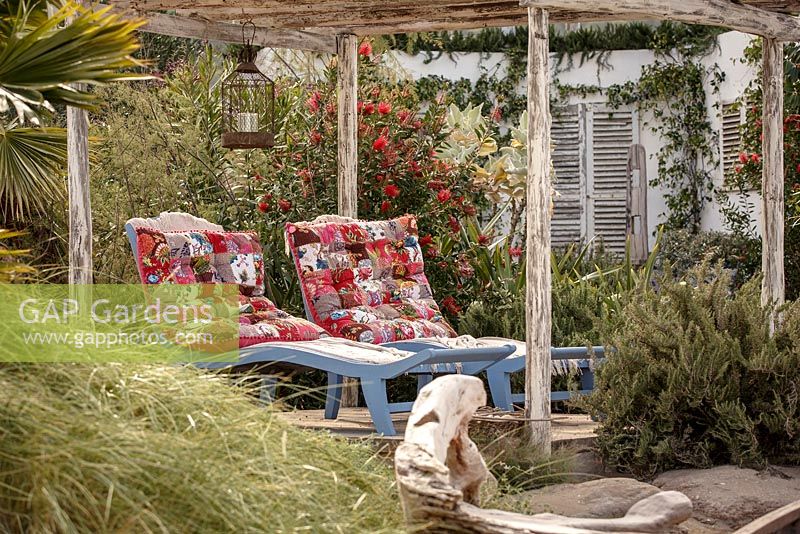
261	321
365	280
201	256
206	256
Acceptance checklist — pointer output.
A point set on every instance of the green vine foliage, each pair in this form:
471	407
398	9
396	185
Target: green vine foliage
672	90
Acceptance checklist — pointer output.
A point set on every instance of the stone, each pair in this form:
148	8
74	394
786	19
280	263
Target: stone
604	498
729	496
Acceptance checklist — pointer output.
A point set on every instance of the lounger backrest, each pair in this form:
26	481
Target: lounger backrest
180	248
365	280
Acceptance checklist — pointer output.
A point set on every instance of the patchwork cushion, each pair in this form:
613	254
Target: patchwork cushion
206	256
201	256
261	321
365	280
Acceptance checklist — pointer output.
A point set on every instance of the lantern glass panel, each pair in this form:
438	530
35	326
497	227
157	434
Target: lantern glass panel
248	106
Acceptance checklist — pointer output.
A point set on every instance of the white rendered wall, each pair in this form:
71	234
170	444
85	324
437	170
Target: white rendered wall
625	65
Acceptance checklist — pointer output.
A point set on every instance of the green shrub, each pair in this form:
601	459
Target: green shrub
696	379
683	250
112	449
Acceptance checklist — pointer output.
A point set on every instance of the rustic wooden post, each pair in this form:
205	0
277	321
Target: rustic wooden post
772	287
347	86
537	258
80	206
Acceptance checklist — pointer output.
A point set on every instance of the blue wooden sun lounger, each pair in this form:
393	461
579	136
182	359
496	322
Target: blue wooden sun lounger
356	363
499	374
372	376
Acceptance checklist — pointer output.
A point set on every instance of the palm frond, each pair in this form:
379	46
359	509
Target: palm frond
32	163
39	59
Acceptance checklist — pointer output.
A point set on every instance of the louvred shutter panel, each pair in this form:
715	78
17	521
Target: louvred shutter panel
567	135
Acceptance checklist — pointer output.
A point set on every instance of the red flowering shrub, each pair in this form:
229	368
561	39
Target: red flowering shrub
398	171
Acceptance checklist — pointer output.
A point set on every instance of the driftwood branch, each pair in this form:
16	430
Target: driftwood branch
745	18
440	471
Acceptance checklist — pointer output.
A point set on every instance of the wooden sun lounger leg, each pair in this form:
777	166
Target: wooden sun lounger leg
500	389
333	398
422	381
378	405
269	385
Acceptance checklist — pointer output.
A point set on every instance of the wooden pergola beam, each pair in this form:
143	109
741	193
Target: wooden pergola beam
772	287
196	28
538	312
744	18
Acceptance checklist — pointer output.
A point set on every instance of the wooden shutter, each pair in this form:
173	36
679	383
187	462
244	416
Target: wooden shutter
612	132
731	136
567	134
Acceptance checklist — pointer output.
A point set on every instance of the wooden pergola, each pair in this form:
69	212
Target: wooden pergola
334	26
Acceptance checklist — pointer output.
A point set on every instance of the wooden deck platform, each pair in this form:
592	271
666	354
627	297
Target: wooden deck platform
355	423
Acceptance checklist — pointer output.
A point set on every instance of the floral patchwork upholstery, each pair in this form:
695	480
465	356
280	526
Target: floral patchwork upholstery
365	281
206	256
201	256
261	321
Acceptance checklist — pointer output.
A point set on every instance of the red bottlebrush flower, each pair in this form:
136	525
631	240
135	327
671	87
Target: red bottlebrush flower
742	157
469	209
425	240
432	252
436	185
284	205
454	225
263	207
359	106
417	125
414	166
483	239
369	108
385	206
330	109
384	108
266	197
315	137
450	304
380	143
798	167
391	191
305	175
443	195
496	114
379	178
737	169
403	116
515	252
313	101
365	49
257	176
755	158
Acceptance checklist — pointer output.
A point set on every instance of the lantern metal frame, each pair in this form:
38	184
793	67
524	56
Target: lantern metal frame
242	93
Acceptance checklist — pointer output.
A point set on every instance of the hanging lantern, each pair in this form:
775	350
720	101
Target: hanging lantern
248	102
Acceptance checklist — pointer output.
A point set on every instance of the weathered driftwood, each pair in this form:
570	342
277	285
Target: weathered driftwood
772	288
537	243
226	32
724	13
785	520
347	87
440	470
80	207
365	17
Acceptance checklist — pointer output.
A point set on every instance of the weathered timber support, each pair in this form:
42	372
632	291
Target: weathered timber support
347	86
537	241
175	26
772	286
80	206
439	473
724	13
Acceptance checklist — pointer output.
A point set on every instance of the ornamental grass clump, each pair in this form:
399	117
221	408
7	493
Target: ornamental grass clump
169	449
697	380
